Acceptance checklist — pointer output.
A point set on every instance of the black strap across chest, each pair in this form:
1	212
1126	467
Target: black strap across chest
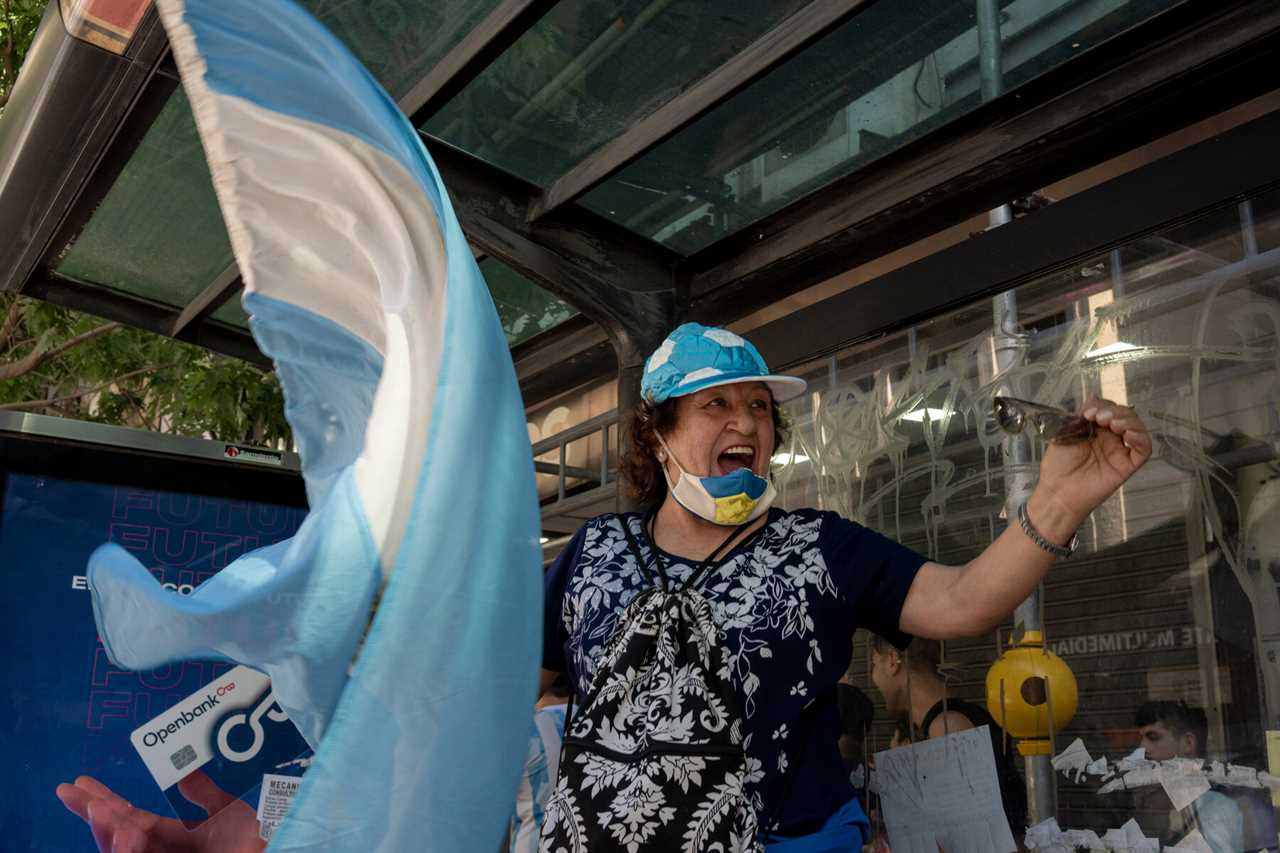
657	573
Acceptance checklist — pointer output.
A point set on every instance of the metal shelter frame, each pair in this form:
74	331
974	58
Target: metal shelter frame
1187	62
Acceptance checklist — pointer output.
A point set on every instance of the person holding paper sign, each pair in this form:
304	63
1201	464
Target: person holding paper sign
914	691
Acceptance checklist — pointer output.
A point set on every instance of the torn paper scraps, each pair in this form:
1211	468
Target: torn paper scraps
1074	759
1048	837
1129	839
1193	843
1183	780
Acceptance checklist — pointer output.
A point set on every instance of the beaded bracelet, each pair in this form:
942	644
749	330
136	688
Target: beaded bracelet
1034	535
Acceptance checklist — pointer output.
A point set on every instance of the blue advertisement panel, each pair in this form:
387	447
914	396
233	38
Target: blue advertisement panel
66	710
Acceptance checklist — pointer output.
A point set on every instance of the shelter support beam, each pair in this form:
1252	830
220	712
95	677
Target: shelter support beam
500	29
568	356
143	314
581	257
625	284
213	297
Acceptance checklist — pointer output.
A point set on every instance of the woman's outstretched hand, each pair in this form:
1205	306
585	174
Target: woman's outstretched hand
946	602
1079	476
118	827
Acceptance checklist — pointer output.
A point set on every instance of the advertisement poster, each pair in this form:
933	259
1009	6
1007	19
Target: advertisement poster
66	710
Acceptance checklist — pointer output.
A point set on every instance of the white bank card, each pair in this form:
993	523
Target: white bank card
231	729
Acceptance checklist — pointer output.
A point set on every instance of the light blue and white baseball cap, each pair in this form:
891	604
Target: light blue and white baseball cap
694	357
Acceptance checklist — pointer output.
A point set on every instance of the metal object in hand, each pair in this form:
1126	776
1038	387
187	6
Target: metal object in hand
1052	424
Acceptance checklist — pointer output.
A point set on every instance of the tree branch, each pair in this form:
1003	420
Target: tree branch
33	359
10	321
136	401
13	347
55	401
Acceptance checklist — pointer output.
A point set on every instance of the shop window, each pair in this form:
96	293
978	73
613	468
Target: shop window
1169	613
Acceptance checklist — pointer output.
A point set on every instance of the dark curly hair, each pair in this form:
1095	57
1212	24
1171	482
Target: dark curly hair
639	464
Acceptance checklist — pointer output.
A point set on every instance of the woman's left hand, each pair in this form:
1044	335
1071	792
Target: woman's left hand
1080	476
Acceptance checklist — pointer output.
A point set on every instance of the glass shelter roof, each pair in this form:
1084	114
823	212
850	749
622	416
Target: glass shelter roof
878	82
587	71
158	233
620	133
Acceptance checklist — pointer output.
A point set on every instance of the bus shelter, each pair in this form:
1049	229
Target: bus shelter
908	204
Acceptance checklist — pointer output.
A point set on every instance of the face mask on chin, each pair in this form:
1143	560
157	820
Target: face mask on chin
728	500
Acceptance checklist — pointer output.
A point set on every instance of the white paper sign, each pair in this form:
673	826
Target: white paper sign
944	791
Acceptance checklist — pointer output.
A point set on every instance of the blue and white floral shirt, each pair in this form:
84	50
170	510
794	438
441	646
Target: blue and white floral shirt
787	601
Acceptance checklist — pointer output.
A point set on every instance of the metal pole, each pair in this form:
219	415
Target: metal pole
991	68
990	55
1010	351
1247	232
604	454
1019	468
560	487
1117	274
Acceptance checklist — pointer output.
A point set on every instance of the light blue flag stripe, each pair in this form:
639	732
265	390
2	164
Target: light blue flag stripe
357	273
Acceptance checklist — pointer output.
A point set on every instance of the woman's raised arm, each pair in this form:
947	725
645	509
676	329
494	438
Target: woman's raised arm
946	602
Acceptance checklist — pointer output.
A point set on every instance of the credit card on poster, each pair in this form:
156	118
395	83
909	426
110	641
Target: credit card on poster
231	730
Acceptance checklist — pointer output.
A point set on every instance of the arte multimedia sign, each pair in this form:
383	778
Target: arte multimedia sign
1110	642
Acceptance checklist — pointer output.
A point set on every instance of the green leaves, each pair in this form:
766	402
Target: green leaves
57	361
19	20
60	362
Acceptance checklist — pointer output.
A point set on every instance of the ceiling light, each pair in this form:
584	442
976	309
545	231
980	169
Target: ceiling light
544	540
788	458
918	415
1109	349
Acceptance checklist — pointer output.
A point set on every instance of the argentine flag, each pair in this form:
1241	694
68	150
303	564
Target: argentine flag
400	625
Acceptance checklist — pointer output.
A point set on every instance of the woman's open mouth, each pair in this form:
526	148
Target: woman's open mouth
735	457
